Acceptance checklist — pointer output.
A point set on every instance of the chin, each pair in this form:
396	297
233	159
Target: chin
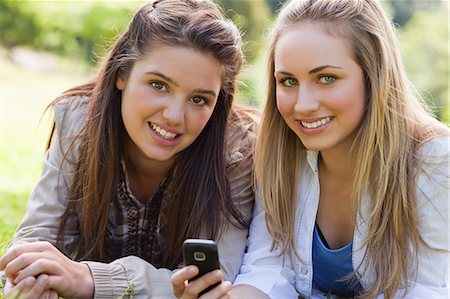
160	157
315	146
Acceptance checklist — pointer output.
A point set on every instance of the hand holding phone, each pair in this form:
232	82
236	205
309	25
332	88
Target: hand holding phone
203	254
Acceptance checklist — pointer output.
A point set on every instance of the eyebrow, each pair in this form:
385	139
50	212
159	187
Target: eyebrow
313	71
163	76
201	91
206	91
284	73
318	69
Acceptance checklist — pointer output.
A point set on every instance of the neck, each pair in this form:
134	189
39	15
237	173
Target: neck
144	174
338	161
338	164
141	166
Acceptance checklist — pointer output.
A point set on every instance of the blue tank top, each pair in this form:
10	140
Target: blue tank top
330	266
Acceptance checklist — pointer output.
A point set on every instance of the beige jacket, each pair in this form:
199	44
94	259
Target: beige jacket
49	199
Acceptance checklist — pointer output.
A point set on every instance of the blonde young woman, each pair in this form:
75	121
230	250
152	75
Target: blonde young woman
352	171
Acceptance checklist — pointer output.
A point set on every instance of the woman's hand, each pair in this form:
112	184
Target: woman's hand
189	290
30	288
27	261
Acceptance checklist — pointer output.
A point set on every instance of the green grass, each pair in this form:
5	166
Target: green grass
24	95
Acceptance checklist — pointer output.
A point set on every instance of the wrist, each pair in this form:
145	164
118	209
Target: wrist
85	282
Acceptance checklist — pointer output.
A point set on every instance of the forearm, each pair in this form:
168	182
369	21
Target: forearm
244	291
130	275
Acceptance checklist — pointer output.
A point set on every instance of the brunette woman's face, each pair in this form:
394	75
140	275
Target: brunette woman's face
319	87
168	98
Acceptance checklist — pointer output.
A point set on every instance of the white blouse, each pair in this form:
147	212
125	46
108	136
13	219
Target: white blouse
286	276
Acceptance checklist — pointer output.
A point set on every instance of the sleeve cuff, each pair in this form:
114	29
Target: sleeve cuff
110	280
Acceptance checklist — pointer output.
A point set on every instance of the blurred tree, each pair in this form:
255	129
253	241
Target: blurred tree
424	42
79	29
253	18
275	5
17	24
97	36
401	11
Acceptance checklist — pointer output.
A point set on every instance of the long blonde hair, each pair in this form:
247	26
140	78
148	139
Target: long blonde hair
395	125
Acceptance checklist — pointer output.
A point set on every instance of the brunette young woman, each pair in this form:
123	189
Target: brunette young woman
150	152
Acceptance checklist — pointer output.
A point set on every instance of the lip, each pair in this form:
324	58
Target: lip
313	131
161	140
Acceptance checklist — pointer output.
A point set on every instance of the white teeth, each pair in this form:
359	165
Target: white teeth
162	132
316	124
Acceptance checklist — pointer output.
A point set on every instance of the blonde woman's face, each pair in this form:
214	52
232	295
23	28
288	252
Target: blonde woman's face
167	99
319	87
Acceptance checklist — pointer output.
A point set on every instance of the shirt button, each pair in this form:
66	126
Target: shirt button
304	271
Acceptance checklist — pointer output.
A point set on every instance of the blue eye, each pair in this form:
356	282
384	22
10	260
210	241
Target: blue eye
289	82
158	85
327	79
199	101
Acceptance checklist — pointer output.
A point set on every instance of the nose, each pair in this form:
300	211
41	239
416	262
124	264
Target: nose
173	112
307	101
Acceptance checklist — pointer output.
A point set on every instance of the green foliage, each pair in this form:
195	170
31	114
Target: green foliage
128	292
275	5
402	11
253	18
18	24
71	28
424	43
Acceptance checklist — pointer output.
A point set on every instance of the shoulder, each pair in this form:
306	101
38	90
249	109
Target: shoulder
432	182
70	113
72	106
435	149
433	157
241	132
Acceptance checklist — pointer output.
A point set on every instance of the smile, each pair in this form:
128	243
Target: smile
316	124
163	133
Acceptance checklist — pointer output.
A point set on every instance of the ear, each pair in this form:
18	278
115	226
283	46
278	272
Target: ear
120	83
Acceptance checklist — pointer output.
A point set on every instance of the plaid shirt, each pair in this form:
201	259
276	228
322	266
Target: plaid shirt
133	227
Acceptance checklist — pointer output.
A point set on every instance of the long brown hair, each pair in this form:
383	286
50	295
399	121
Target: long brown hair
396	124
198	190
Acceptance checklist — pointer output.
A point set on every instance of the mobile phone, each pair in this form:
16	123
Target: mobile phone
203	254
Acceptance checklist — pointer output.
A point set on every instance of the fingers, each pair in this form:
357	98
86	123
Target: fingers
32	259
63	275
31	264
36	268
39	290
20	290
21	247
185	290
49	294
31	288
194	288
179	279
21	262
222	291
52	295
